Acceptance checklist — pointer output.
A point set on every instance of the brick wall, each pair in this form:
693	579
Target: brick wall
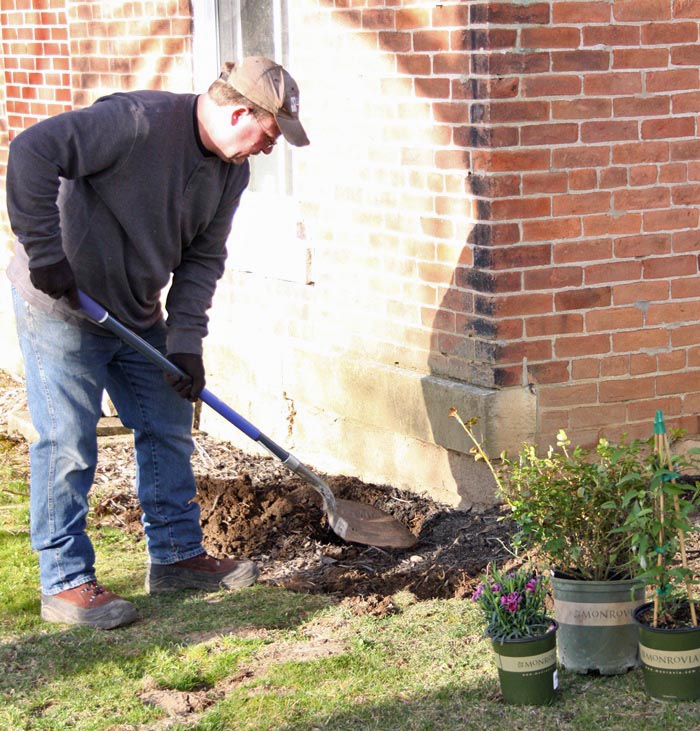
588	189
502	195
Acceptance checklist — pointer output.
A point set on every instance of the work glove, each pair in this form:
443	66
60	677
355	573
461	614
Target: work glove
57	280
191	384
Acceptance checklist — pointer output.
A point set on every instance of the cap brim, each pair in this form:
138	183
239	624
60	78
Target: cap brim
292	131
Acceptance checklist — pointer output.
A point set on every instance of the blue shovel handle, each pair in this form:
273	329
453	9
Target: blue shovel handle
98	313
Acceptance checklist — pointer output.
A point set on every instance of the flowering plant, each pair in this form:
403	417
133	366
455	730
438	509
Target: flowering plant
513	603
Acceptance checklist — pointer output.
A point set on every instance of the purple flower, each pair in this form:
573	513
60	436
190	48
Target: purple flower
531	585
511	601
495	588
479	591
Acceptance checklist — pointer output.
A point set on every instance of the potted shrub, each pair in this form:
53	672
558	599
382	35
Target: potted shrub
522	636
569	504
659	523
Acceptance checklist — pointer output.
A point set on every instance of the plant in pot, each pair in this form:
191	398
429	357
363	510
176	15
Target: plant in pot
659	523
522	636
568	503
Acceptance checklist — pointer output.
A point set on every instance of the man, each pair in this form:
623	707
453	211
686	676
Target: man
120	199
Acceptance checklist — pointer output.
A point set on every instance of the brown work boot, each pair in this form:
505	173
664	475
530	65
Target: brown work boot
201	572
88	604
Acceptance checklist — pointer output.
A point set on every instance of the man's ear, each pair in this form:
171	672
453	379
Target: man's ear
238	113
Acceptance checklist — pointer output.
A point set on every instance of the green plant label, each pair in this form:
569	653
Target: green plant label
594	615
666	660
531	664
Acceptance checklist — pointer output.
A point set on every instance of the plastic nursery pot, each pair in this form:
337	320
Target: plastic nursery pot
527	668
670	659
596	629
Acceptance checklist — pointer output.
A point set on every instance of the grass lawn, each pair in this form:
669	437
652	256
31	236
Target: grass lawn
267	658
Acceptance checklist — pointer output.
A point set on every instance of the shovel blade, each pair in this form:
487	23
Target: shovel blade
368	525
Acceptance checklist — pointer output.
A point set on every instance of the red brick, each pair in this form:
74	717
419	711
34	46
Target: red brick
506	161
641	363
584	368
626	389
532	350
567	323
570	395
634	106
551	85
640	58
685	103
635	340
686	150
685	55
686	9
675	360
686	288
524	304
681	383
511	111
671	266
547	373
553	278
552	229
619	318
640	152
607	131
646	410
619	82
615	365
641	199
582	251
581	108
611	35
613	177
519	208
643	245
668	34
671	312
547	182
643	175
625	294
672	219
578	12
580	204
581	60
508	13
586	179
684	195
686	241
550	37
583	299
660	81
664	128
580	157
619	271
548	134
635	10
570	347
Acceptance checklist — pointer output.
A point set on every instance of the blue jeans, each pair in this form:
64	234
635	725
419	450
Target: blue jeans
66	369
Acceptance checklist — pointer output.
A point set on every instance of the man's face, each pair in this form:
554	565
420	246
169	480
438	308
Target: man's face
244	135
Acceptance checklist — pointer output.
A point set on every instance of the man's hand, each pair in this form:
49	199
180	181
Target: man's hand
57	280
191	384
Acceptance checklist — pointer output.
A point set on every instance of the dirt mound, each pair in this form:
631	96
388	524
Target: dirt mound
254	507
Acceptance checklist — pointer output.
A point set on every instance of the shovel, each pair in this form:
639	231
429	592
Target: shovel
351	520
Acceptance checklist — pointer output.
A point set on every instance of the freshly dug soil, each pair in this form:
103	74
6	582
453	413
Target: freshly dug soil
253	507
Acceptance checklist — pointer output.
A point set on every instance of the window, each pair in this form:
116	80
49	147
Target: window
249	28
263	244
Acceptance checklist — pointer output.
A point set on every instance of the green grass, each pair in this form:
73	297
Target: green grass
267	659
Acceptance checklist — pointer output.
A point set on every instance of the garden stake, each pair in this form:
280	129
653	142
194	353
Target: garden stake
665	454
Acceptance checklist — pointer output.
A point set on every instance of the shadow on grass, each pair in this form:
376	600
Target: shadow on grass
168	623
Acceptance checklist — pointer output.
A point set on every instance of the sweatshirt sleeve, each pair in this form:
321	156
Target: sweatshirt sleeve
70	145
194	281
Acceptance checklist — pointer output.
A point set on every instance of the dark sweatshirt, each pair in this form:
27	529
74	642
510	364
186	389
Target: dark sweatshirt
127	192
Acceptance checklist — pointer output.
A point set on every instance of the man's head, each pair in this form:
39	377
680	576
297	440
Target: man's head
268	88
